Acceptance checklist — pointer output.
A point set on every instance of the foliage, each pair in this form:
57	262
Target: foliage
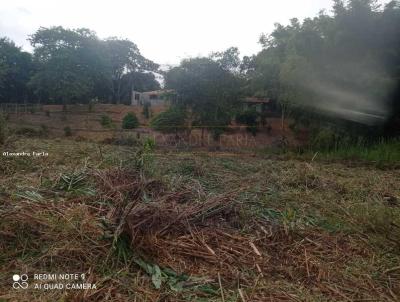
383	153
209	91
250	118
144	158
123	56
172	120
106	121
68	64
130	121
16	68
72	65
343	66
75	183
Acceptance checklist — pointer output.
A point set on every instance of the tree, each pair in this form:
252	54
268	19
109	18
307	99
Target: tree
68	64
123	57
138	81
340	68
16	68
209	92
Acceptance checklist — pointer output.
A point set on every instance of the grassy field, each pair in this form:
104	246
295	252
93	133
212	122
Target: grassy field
159	225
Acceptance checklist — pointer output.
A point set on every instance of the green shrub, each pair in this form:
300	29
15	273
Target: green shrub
130	121
106	121
250	119
172	120
67	131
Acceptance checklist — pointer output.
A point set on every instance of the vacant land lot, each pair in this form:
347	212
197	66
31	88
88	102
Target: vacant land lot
152	225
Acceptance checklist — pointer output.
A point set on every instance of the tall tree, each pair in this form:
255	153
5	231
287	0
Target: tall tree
344	65
210	92
123	57
69	64
16	69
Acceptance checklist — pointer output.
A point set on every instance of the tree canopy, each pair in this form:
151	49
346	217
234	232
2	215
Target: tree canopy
208	90
73	65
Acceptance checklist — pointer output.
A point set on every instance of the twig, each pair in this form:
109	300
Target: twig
220	287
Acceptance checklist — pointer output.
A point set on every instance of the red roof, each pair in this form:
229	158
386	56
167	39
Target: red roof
256	100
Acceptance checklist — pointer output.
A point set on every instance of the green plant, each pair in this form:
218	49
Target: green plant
130	121
75	183
67	131
172	120
106	121
144	157
250	119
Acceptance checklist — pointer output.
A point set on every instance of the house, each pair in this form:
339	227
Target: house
154	98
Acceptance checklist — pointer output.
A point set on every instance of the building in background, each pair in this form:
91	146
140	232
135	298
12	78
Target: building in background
154	98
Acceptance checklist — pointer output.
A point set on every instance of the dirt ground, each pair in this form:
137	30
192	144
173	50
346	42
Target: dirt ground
85	124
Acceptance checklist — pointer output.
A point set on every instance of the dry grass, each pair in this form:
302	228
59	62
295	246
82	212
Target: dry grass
203	227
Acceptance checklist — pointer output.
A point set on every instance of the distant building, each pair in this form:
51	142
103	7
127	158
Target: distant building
154	98
259	104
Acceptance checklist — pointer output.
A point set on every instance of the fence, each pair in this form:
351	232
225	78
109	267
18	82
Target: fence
19	108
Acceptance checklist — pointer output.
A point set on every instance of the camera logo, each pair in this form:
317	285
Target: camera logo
20	281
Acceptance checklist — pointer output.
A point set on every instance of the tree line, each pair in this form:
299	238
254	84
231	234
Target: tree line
338	71
73	65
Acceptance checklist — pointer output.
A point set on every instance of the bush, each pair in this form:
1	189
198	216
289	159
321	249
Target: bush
68	131
106	121
250	119
172	120
130	121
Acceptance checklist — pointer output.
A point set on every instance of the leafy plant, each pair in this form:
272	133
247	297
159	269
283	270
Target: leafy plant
250	119
130	121
170	121
75	183
144	157
106	121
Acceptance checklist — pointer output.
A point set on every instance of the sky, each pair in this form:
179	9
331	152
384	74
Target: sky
166	31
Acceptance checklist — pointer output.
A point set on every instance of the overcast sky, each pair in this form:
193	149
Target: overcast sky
164	30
